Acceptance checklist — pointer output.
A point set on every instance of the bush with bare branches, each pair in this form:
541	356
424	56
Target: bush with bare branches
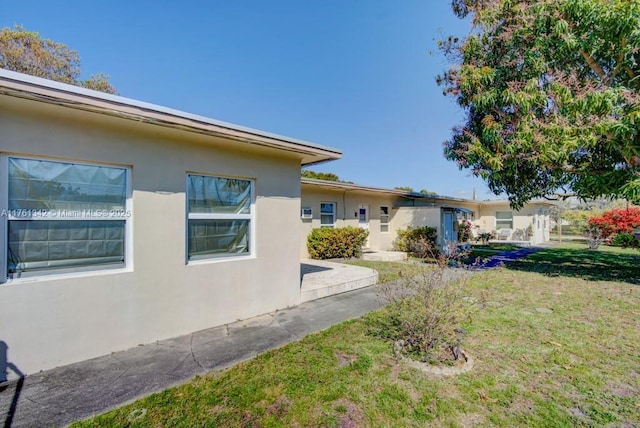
426	310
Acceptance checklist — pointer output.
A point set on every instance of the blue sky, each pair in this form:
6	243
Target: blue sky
358	75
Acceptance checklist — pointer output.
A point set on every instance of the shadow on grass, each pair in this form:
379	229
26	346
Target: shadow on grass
604	264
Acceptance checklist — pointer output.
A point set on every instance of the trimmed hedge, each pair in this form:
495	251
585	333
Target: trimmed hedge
341	243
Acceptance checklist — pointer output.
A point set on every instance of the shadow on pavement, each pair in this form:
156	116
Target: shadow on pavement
5	365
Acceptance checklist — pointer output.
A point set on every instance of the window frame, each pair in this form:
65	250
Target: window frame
498	221
333	215
74	271
251	217
384	224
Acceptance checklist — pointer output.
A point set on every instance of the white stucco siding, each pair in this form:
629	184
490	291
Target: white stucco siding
49	321
405	217
532	214
347	205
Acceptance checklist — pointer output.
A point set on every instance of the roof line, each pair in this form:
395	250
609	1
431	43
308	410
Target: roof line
148	108
404	193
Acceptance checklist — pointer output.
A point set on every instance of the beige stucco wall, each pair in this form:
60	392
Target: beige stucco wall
416	217
347	205
403	212
534	214
50	321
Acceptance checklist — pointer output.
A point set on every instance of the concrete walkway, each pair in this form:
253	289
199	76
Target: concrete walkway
60	396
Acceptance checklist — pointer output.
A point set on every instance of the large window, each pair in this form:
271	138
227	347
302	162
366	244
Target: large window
384	219
327	214
504	220
220	217
62	216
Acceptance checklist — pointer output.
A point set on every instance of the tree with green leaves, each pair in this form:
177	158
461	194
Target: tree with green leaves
326	176
427	192
551	94
407	189
26	52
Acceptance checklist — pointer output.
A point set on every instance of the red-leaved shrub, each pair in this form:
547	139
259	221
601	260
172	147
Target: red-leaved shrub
622	220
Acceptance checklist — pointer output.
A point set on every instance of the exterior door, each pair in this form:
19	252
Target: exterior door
449	232
363	221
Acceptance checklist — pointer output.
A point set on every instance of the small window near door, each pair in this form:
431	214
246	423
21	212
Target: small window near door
504	220
384	219
327	214
362	216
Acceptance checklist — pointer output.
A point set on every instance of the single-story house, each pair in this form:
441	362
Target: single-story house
385	211
124	222
531	222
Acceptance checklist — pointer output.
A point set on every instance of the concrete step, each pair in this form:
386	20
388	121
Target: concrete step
384	256
322	279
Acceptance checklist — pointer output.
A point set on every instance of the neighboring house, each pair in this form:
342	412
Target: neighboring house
125	223
531	223
385	211
336	204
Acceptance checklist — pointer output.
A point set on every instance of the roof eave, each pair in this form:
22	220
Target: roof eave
43	90
358	187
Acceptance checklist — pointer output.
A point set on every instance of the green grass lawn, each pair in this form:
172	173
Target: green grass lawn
389	271
575	260
555	344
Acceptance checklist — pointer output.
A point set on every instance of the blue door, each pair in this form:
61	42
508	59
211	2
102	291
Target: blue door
449	228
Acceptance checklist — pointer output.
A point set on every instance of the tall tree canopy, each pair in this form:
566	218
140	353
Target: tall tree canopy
26	52
551	94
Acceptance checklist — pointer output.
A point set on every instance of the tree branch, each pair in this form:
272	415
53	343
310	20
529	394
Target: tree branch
630	72
619	60
595	67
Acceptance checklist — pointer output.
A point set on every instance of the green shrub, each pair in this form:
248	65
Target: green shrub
409	238
341	243
624	240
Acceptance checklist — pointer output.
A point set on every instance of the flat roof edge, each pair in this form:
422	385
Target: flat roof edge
325	153
404	193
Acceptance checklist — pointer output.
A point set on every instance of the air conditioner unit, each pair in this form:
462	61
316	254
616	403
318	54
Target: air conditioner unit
306	213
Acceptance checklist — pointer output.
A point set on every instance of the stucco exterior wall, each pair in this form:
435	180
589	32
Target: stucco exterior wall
55	320
534	214
416	217
347	205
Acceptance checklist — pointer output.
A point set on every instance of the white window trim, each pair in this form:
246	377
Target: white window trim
388	216
504	220
71	272
205	216
333	215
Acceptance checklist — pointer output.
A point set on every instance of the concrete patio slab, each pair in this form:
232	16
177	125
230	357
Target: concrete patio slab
384	256
321	278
